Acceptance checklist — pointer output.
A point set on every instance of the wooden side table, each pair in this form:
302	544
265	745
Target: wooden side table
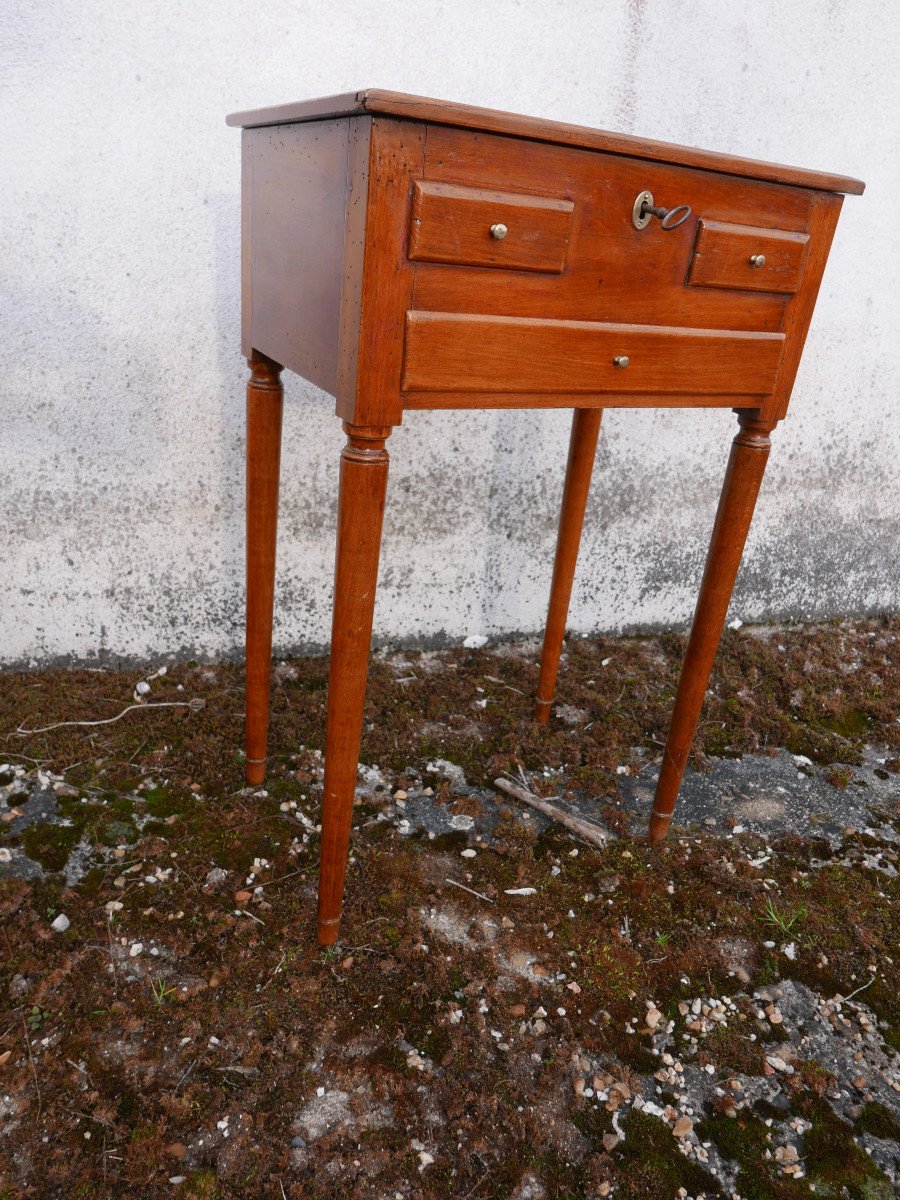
405	253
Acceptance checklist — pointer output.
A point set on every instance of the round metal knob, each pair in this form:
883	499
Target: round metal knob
621	360
499	232
757	260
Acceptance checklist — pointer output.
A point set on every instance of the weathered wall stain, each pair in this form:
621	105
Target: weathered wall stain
121	386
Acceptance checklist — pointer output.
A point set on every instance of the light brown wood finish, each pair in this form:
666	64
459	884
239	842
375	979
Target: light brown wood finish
295	189
823	218
582	451
368	267
614	272
452	224
378	273
471	353
743	477
470	117
724	258
265	397
363	482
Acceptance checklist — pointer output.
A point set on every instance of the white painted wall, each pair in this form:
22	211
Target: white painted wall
122	386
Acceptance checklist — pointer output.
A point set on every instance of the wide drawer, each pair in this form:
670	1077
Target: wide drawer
481	227
747	257
460	352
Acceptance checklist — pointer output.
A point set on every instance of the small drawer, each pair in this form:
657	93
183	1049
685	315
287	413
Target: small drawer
478	227
747	258
461	352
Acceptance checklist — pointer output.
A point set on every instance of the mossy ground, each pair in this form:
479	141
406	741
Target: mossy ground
125	1053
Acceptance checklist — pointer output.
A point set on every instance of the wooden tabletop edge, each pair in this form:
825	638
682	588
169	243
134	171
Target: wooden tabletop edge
443	112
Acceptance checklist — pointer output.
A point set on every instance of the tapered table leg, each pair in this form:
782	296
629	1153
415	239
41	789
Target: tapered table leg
264	407
582	448
364	472
743	477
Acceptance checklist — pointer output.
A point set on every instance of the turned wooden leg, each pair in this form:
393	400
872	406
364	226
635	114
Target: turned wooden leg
364	472
582	448
264	404
736	503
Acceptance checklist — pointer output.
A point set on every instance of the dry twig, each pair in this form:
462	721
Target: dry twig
471	891
584	829
195	705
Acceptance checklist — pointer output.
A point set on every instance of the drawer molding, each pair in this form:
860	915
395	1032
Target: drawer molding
464	352
452	224
728	256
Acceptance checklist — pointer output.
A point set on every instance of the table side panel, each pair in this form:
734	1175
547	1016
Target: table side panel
822	224
294	214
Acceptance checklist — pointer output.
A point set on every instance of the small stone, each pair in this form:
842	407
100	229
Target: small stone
682	1127
177	1150
298	1143
242	897
469	853
136	949
778	1064
610	1141
61	924
400	794
654	1016
578	1086
786	1154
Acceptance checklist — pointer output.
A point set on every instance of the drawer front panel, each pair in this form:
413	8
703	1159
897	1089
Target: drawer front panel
452	224
458	352
613	272
747	258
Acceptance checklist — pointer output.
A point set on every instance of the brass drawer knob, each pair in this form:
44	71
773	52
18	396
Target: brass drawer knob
621	360
499	231
757	260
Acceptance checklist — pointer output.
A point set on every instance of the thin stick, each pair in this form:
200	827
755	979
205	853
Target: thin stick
584	829
471	891
37	1086
860	989
196	704
274	973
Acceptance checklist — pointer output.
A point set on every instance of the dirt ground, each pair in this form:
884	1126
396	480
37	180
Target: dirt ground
512	1013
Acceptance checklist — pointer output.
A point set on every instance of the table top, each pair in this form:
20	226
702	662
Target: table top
467	116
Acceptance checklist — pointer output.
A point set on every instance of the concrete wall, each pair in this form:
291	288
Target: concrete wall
122	386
